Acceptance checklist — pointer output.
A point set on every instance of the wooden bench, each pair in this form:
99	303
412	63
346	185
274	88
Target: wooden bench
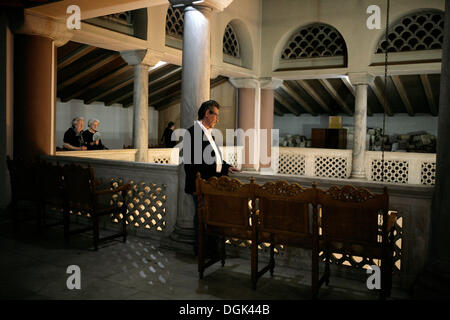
343	220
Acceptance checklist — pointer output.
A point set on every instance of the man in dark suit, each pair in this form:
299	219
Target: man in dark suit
201	154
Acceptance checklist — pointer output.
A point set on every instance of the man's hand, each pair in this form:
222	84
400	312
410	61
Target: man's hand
233	170
83	148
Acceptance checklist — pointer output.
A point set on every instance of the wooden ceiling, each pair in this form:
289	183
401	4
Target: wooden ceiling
93	74
411	94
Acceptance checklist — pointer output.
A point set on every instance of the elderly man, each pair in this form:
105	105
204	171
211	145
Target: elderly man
73	138
197	139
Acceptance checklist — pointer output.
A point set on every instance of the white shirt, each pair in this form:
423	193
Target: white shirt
213	145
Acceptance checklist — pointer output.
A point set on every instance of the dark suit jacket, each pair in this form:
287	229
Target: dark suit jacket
194	145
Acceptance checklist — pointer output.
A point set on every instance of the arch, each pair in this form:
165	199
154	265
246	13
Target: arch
244	41
174	27
422	29
315	45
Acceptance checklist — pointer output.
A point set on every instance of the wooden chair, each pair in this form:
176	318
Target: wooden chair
284	217
24	189
356	222
51	190
223	211
81	195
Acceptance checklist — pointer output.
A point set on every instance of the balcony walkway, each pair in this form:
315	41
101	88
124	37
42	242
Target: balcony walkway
34	267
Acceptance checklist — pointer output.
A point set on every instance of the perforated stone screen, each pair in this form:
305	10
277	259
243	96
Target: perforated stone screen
291	164
317	40
146	206
428	173
174	22
419	31
231	42
395	171
331	167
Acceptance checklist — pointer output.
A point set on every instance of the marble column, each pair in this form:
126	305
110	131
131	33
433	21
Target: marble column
140	60
434	282
195	79
195	89
249	120
268	138
255	114
34	95
361	82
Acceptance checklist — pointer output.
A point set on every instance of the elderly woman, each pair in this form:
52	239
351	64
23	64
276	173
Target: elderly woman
73	138
92	137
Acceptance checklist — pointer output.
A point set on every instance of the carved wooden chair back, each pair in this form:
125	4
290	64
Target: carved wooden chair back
224	202
353	216
284	212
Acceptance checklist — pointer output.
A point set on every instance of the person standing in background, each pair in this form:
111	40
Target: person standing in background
167	135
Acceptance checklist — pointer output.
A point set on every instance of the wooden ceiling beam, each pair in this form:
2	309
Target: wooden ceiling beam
92	68
330	89
403	95
152	83
74	56
285	104
429	93
314	95
377	88
96	83
297	98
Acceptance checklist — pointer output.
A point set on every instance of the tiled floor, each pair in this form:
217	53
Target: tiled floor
34	266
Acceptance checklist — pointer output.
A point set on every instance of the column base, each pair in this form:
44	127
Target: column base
181	240
358	175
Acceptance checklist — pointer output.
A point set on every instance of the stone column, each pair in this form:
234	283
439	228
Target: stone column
140	61
153	126
195	89
249	120
34	95
361	81
255	112
196	63
268	146
435	280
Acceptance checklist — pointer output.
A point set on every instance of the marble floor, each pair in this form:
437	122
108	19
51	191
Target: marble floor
34	266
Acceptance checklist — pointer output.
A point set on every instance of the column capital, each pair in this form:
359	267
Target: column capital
134	57
262	83
357	78
216	5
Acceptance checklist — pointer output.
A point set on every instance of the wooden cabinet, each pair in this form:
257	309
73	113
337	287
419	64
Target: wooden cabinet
329	138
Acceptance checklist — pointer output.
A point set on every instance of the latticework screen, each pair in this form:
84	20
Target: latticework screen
418	31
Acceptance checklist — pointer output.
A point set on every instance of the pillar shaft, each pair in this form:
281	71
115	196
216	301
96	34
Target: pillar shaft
34	96
140	115
267	101
195	88
360	129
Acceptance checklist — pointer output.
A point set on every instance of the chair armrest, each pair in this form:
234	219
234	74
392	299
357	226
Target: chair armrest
123	187
392	219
